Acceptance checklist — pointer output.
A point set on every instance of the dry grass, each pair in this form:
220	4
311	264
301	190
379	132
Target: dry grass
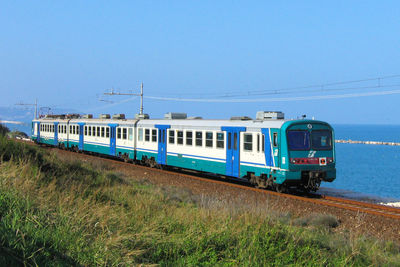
73	213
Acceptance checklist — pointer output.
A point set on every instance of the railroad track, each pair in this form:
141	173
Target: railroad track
342	203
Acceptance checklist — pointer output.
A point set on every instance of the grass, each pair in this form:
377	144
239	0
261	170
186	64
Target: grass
64	212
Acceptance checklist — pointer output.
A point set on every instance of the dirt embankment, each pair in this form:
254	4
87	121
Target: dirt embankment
350	222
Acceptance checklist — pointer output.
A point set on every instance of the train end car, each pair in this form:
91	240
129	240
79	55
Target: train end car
306	155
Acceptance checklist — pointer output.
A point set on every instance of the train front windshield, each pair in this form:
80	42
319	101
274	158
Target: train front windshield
304	140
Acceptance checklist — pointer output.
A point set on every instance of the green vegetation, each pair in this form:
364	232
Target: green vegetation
64	212
4	129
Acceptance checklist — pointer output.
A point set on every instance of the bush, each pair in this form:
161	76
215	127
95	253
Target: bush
4	129
317	219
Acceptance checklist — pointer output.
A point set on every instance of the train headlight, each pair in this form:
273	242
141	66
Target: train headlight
293	161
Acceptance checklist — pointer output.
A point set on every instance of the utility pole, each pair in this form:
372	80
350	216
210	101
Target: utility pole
25	104
132	94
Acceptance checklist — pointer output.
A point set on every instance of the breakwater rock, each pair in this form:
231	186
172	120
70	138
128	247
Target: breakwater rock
367	142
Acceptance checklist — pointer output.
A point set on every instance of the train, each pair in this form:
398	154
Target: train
268	151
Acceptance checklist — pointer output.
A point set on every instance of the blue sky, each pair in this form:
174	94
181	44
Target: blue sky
67	53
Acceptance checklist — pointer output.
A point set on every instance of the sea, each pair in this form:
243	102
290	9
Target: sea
368	169
371	170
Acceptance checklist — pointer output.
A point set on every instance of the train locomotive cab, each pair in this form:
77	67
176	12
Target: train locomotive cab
308	154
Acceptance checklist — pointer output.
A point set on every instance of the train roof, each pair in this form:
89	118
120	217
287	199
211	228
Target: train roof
194	123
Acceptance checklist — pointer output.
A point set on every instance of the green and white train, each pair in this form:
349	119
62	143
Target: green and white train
270	152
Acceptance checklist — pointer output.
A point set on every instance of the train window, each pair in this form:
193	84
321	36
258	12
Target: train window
154	135
248	142
220	140
235	141
275	141
209	139
171	139
140	134
298	140
85	130
189	138
124	133
70	128
147	135
130	134
98	131
229	140
199	138
321	140
262	143
258	142
179	140
108	132
90	131
118	133
102	131
58	127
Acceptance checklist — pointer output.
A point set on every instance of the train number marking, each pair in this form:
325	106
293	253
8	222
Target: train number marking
311	154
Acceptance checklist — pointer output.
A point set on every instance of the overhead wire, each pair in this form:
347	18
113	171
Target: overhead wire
282	99
297	89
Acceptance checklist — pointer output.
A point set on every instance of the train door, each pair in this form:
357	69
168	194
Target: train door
81	129
269	156
56	133
233	150
162	144
113	131
276	153
38	132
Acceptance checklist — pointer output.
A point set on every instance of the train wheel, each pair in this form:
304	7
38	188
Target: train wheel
280	188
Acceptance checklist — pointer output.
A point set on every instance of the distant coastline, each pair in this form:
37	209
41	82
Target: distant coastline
367	142
12	122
